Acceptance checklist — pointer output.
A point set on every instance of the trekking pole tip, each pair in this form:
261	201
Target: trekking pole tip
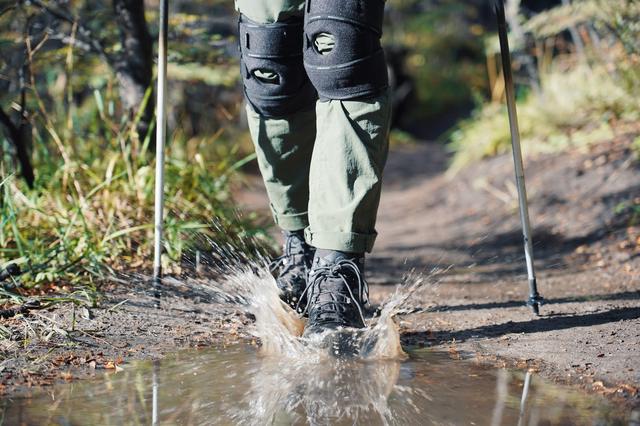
534	302
535	307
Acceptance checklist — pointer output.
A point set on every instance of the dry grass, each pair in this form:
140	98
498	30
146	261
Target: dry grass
578	105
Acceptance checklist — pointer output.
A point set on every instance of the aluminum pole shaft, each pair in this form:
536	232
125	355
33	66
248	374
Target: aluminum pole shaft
534	298
523	401
161	128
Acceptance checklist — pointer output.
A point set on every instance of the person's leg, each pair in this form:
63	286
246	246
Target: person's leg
283	147
281	116
280	103
346	64
346	173
270	11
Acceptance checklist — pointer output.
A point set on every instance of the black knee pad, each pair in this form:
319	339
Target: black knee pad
277	49
355	67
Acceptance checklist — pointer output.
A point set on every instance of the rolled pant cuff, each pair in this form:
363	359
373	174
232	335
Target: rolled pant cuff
291	222
350	242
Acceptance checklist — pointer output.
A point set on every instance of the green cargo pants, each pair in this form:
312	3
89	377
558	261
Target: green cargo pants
322	168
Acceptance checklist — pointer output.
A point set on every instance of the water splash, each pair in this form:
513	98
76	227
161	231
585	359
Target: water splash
240	278
251	288
338	374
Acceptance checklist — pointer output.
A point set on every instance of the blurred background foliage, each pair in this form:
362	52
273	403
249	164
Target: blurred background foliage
76	110
578	80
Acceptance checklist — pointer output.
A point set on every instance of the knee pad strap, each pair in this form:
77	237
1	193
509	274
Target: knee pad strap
355	66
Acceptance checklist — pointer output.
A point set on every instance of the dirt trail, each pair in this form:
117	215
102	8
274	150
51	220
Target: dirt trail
464	232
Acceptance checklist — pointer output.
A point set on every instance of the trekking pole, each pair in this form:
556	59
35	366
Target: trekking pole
525	394
161	128
155	388
535	300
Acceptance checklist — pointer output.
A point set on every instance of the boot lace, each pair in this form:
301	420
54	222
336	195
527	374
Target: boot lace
336	304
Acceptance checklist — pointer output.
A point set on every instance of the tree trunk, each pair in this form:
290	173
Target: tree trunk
19	139
134	65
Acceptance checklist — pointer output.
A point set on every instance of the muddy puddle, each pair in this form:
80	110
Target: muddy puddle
339	377
238	385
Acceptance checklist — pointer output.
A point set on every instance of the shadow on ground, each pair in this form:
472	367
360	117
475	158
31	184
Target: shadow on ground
538	325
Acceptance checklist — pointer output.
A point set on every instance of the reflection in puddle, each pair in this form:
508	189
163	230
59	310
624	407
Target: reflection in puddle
237	385
323	394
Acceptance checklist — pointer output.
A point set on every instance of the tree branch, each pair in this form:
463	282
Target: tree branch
71	41
7	9
94	42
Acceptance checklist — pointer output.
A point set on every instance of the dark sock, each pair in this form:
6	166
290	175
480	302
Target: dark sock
299	233
336	255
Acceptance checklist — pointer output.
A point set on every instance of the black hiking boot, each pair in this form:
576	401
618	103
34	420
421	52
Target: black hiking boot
292	268
336	293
